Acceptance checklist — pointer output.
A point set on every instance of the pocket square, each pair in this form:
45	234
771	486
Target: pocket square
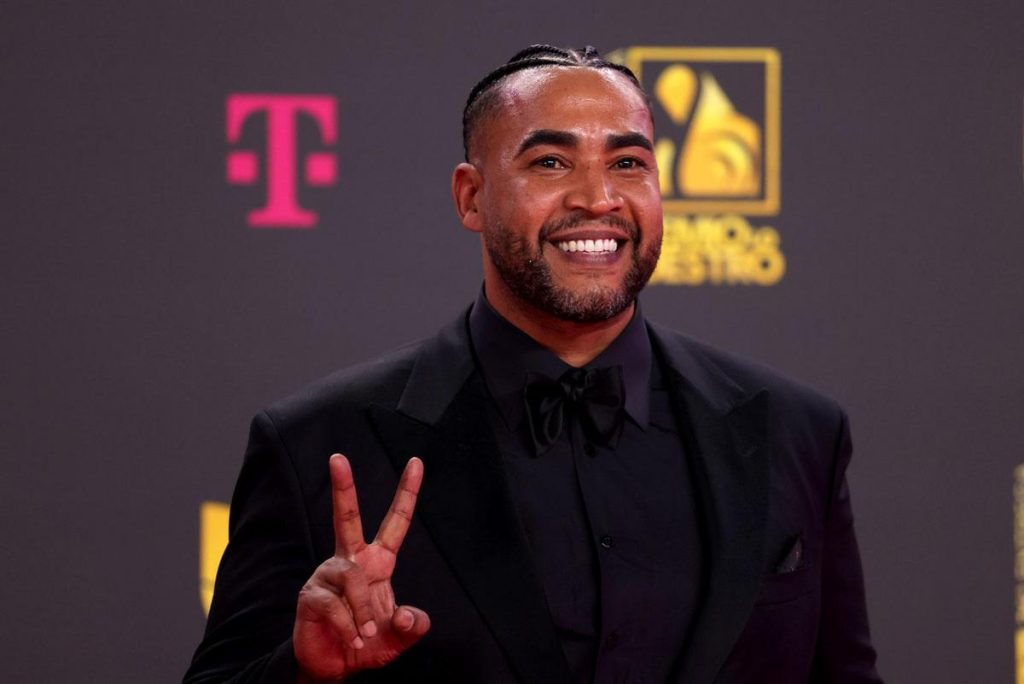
793	557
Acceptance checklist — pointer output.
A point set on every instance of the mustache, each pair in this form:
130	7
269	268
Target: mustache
578	218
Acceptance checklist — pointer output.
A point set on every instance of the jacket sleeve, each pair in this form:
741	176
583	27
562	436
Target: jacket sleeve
268	558
844	653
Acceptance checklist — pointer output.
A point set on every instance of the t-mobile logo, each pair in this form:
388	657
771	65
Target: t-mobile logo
282	209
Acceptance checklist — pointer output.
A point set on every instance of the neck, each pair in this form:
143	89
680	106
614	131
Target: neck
577	344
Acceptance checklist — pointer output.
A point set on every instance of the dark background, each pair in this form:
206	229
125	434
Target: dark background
144	322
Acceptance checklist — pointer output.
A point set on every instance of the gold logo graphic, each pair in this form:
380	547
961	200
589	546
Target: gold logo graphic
213	538
722	153
718	120
1018	567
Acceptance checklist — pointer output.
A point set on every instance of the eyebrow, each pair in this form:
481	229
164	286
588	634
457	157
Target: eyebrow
615	141
629	140
546	136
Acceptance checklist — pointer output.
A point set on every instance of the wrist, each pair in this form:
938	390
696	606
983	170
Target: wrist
303	677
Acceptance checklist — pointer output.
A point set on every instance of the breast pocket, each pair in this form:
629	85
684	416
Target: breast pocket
794	574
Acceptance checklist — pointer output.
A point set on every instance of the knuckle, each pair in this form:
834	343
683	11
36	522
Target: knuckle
362	606
403	512
337	566
325	604
315	598
381	659
350	572
343	564
337	573
348	515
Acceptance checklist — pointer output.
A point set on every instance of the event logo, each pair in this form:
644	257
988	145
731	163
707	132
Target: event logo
213	539
717	121
1018	568
281	209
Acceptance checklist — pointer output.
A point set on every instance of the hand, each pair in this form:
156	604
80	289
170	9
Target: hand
347	619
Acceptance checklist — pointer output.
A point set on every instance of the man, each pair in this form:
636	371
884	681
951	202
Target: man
584	497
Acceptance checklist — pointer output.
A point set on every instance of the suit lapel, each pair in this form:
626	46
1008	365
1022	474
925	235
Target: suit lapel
465	503
727	440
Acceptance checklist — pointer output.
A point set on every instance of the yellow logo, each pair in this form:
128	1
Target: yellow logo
213	539
1018	567
717	114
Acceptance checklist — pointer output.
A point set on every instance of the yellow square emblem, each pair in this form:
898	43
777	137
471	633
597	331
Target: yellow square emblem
717	117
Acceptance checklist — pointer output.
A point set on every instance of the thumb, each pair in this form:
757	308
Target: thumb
409	624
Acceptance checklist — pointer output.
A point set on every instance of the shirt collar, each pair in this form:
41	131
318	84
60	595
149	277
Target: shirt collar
506	354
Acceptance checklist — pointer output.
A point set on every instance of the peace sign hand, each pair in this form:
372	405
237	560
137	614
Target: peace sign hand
347	619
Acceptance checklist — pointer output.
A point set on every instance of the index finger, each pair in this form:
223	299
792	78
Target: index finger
348	527
396	522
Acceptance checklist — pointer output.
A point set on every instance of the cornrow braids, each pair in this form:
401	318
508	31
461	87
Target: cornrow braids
482	98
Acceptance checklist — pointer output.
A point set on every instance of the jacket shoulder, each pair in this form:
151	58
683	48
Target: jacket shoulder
751	375
378	381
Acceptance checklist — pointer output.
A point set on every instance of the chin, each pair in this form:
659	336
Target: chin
586	305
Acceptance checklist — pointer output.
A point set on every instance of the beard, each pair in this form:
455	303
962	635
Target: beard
523	269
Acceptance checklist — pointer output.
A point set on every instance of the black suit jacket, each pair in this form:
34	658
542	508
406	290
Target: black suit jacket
784	599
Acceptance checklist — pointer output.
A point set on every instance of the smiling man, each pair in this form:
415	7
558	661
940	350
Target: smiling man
555	196
562	491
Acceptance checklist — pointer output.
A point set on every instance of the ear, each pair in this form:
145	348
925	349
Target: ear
466	183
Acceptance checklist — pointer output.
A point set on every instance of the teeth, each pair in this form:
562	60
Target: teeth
590	246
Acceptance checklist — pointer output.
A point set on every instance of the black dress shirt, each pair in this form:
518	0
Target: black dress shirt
614	531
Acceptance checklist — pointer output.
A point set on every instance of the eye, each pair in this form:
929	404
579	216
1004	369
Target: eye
630	163
549	162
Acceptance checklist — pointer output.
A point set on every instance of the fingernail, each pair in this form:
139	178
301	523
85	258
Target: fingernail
357	643
404	621
369	629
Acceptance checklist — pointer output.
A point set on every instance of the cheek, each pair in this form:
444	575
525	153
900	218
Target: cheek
647	212
655	219
527	208
515	197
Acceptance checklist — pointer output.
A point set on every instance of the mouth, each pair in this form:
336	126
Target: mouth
589	246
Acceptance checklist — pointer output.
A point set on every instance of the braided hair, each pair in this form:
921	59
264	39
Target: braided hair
483	98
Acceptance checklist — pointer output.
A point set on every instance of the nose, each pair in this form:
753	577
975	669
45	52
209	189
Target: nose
593	191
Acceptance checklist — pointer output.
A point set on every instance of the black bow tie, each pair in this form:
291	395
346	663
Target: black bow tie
595	395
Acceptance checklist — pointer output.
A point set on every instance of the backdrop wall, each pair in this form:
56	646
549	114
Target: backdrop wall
206	206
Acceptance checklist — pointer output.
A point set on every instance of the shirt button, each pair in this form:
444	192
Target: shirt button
589	449
607	542
611	641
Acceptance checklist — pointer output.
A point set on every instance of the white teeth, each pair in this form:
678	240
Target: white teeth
590	246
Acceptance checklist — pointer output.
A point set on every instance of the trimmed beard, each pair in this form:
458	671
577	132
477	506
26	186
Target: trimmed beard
527	275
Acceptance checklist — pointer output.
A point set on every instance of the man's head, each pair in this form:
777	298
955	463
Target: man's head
562	184
484	97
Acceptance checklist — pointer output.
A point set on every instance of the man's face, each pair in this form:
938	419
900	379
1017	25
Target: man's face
568	200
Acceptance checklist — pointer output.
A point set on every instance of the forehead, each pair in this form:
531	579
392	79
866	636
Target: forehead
576	99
